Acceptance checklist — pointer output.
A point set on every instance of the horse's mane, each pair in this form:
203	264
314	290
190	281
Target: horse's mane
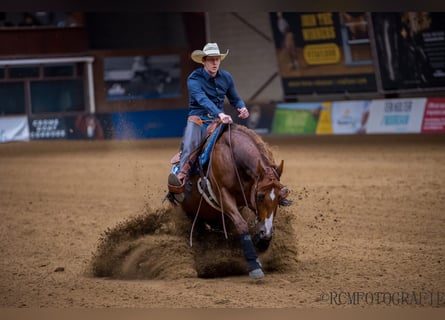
263	147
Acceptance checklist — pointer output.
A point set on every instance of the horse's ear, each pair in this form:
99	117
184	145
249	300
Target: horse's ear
260	169
280	168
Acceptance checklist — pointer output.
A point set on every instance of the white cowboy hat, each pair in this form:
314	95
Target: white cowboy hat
210	49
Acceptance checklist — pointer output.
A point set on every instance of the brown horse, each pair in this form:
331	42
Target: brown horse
241	172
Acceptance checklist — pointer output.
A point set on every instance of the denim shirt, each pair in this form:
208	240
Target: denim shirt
206	94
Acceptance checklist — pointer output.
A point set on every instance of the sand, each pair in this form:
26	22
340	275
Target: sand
84	226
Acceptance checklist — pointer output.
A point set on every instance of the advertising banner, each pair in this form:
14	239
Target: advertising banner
411	49
434	116
14	129
47	128
323	52
296	118
83	126
90	126
324	125
396	116
349	117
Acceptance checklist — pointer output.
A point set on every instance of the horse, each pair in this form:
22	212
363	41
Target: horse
241	173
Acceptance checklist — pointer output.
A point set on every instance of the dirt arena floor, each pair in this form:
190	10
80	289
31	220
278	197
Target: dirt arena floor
83	225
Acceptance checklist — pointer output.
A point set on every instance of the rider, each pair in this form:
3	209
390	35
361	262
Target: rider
207	87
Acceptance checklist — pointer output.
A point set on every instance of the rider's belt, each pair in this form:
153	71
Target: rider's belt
198	120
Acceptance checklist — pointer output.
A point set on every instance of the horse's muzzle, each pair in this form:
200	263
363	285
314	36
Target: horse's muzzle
262	239
262	244
263	232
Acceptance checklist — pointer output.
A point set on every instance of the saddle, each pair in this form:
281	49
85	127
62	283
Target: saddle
205	144
202	153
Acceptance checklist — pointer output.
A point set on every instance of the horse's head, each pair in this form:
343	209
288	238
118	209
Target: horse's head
269	193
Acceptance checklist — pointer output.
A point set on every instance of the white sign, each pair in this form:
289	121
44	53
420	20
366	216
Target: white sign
396	115
349	117
14	129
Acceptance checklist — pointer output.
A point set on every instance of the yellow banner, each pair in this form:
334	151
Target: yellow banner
324	53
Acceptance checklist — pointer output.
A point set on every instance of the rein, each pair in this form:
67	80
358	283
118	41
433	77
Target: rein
253	196
236	169
200	201
219	190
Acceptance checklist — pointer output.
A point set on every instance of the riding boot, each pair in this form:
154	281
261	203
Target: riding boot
176	182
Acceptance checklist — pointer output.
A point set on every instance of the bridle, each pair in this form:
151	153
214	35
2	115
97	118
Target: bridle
254	193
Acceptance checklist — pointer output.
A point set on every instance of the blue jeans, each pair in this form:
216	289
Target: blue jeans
194	134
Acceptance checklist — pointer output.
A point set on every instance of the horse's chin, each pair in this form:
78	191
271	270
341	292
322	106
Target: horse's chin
262	244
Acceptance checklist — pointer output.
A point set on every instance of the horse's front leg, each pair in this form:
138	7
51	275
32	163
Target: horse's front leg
253	263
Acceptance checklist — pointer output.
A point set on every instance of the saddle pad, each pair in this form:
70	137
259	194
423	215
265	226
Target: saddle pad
204	157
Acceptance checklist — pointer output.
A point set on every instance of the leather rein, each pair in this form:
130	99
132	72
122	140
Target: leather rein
253	206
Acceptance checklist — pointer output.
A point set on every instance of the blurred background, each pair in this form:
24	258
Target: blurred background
112	75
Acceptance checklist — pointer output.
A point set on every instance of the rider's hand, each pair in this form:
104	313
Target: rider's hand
225	118
243	113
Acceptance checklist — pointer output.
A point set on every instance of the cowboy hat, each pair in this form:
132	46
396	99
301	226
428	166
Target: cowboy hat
210	49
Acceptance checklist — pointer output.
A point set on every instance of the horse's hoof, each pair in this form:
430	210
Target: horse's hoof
256	274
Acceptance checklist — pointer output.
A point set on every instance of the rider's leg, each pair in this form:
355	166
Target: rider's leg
193	136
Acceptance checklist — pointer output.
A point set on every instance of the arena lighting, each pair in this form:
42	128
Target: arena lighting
88	60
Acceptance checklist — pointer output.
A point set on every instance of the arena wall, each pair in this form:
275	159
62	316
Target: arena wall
381	116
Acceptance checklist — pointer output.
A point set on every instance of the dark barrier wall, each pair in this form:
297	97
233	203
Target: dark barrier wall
154	124
119	125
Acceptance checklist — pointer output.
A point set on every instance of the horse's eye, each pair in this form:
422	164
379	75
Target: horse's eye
260	196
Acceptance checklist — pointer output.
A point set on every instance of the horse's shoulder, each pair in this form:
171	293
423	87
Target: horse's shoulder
260	144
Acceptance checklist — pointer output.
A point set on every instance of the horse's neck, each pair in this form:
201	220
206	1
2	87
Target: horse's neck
247	140
251	162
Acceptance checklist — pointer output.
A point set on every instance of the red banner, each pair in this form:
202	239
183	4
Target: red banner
434	116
